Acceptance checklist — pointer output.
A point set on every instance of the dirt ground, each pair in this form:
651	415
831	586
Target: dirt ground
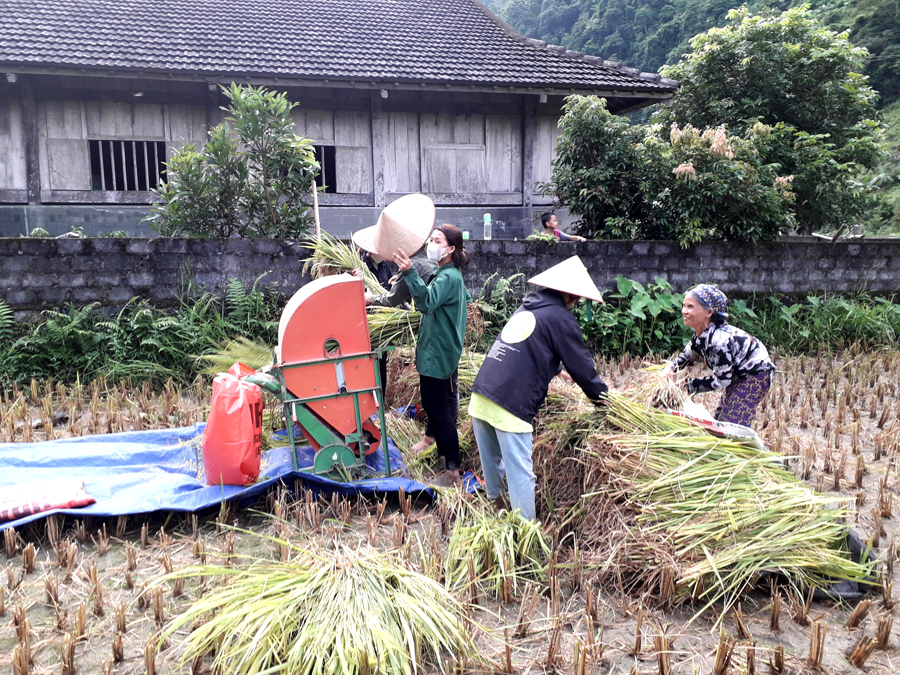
825	413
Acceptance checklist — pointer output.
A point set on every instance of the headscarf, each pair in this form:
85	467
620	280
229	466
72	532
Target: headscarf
712	297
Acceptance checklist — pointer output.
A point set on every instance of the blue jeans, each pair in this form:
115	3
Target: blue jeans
503	452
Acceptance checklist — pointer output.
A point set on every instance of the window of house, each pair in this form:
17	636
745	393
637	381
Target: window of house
327	170
127	166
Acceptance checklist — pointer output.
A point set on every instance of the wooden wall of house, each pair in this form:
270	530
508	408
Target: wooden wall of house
546	133
65	127
463	149
12	146
463	158
350	132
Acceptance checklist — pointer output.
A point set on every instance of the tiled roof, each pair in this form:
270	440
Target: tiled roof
431	41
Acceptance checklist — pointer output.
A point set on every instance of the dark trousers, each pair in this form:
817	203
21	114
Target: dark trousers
429	429
440	398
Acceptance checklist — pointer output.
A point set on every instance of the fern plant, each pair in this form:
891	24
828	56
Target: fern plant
7	323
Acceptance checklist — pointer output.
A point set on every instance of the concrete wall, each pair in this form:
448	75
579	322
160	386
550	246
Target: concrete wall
37	274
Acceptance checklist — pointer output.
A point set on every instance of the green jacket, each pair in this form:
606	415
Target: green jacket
442	330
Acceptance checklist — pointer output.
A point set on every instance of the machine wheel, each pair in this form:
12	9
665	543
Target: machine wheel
334	460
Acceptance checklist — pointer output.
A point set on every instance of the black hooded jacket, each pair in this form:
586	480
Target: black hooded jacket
526	356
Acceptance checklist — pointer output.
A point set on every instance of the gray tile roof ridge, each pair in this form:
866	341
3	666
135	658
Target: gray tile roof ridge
452	42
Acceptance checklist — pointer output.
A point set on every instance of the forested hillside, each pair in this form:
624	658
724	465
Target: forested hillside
647	34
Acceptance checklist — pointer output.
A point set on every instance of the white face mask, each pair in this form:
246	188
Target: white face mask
435	252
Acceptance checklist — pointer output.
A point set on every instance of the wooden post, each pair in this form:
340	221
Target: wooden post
315	192
32	143
213	111
378	149
528	141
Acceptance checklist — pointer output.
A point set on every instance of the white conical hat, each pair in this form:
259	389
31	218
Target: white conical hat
569	276
404	224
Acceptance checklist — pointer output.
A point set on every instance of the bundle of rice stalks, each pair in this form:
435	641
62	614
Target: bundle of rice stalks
405	432
559	432
343	611
419	463
676	511
403	379
494	550
330	256
721	511
469	365
659	391
625	413
474	326
249	352
393	326
399	327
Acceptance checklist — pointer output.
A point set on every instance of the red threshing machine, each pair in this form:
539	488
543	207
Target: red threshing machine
327	377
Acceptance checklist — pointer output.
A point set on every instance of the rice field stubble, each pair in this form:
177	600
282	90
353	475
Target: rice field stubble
94	603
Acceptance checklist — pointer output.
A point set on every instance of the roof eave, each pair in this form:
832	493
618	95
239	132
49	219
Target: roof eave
660	89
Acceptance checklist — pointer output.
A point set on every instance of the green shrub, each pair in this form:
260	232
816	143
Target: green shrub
145	343
635	320
498	299
820	322
653	182
252	178
141	342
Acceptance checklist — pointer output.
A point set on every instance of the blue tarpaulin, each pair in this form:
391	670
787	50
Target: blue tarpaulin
146	471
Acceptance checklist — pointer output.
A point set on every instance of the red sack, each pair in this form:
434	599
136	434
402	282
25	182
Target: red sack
240	370
232	444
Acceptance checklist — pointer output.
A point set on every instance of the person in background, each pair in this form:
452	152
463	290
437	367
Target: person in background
442	330
378	266
740	363
512	383
551	226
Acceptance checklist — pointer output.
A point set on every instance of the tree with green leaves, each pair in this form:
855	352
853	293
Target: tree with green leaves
789	72
253	178
655	182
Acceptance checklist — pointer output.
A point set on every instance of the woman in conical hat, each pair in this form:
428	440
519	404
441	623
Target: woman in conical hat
740	363
512	383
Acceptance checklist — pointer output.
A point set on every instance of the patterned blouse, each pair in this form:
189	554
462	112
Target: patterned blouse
730	352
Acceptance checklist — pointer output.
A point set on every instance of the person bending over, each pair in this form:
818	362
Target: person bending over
512	383
740	363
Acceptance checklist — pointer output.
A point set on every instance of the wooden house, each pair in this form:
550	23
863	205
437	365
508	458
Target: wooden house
399	96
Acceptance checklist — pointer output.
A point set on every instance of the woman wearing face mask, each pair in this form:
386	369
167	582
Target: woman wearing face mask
441	334
740	363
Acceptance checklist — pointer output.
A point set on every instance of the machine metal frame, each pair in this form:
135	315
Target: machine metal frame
329	440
